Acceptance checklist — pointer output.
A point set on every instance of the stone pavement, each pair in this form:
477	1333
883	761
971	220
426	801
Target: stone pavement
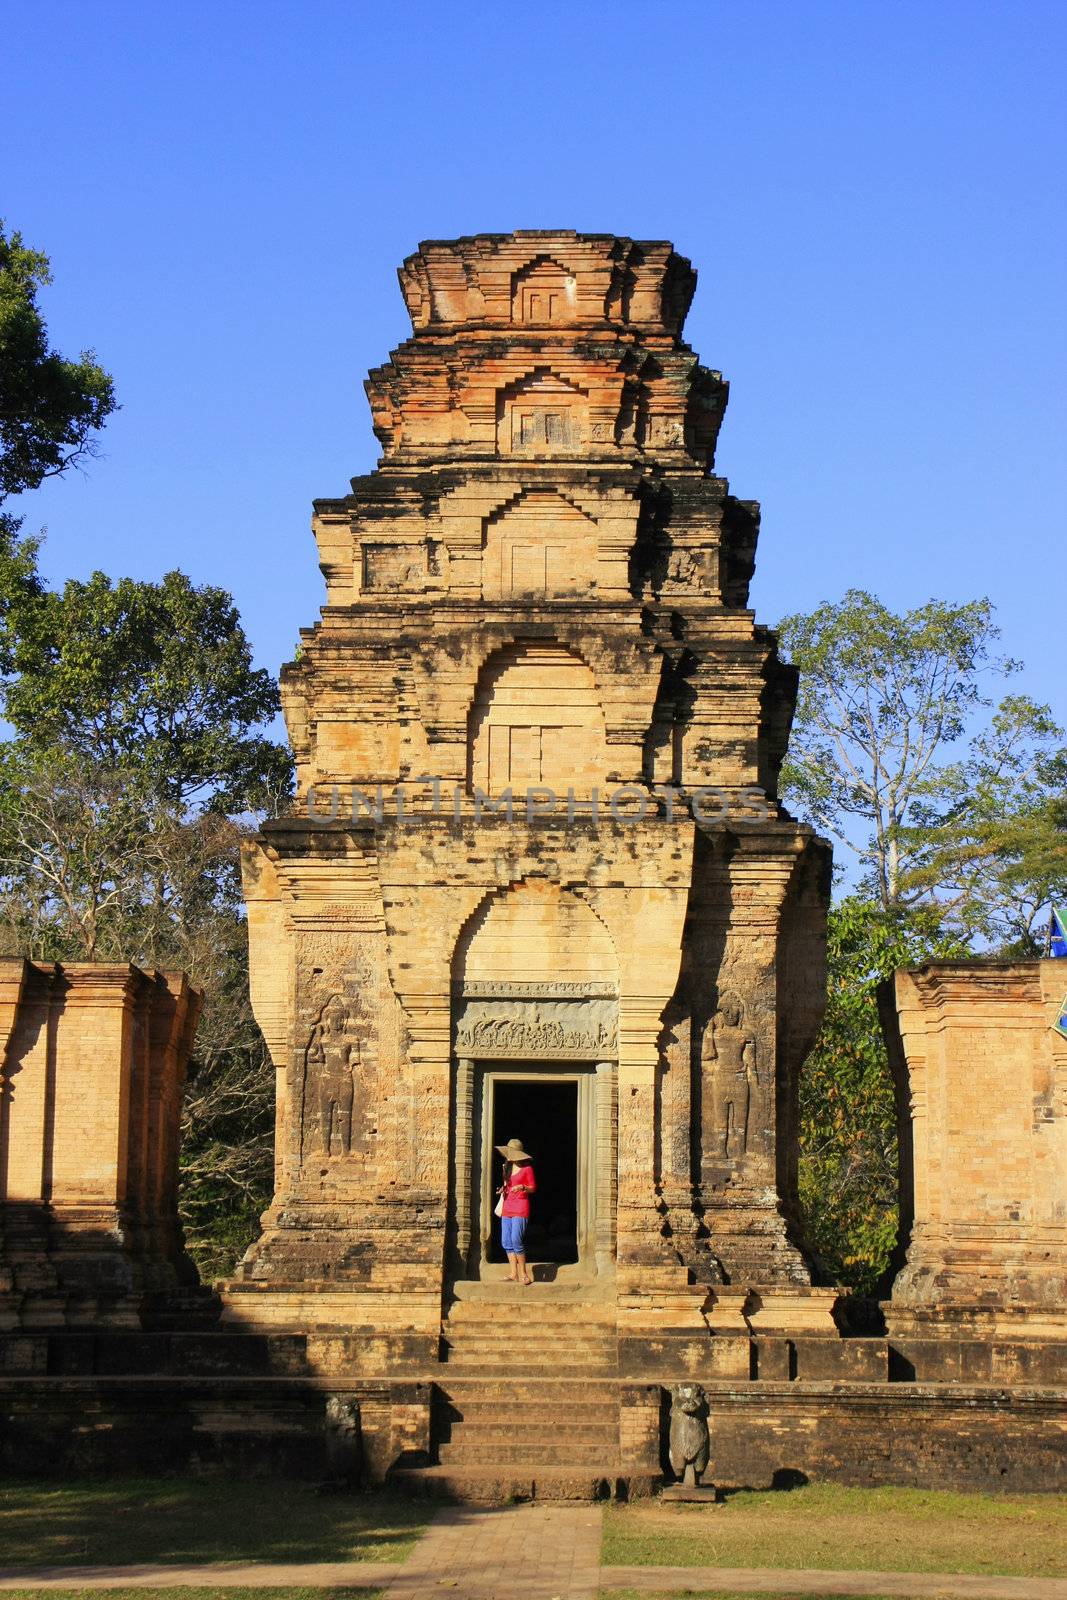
541	1552
498	1553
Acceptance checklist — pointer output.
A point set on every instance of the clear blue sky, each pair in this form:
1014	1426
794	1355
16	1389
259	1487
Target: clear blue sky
872	191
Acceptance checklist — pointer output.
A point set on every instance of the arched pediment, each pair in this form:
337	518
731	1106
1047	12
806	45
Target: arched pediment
541	414
536	720
537	546
535	931
543	292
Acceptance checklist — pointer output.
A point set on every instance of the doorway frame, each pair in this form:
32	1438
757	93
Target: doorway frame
472	1169
585	1158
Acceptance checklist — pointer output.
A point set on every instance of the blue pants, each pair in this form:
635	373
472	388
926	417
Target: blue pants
513	1235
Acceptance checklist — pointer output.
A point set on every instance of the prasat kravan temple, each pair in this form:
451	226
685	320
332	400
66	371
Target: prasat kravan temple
536	882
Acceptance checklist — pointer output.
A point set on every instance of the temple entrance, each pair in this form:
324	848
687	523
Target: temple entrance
552	1106
543	1113
535	1026
564	1112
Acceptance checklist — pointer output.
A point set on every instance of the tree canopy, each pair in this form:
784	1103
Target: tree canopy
142	742
51	408
894	753
848	1159
954	806
153	681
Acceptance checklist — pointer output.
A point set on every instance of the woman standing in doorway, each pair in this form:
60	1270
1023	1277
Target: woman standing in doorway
519	1184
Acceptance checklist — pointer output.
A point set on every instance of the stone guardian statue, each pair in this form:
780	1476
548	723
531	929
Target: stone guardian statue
344	1440
690	1442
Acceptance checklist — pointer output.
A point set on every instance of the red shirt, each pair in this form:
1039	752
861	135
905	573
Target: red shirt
518	1205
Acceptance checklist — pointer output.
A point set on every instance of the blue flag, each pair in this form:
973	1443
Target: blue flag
1060	1023
1057	933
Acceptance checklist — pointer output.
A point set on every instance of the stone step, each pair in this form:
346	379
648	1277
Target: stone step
551	1430
473	1452
560	1396
548	1327
539	1328
520	1350
538	1298
502	1483
527	1305
519	1353
499	1290
520	1329
499	1367
529	1314
528	1412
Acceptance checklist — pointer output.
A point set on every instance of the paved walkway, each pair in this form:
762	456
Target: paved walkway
536	1552
541	1552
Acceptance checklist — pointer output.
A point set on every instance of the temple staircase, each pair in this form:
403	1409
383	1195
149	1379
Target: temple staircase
527	1396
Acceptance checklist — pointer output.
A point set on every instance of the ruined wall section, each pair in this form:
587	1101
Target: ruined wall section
91	1076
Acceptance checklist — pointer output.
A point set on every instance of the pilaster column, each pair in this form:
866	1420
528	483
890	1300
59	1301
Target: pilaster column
640	1224
607	1144
462	1147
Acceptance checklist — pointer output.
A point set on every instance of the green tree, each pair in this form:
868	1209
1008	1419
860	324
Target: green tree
848	1158
953	807
92	867
993	850
20	585
141	748
51	408
879	758
141	737
154	681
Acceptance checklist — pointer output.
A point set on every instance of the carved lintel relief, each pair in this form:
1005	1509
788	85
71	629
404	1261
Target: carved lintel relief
562	1030
552	989
332	1061
730	1070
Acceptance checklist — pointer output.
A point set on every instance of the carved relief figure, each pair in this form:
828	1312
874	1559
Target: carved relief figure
681	568
731	1072
333	1059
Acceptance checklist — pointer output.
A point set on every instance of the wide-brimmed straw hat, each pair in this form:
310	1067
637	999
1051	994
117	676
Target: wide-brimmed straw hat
513	1151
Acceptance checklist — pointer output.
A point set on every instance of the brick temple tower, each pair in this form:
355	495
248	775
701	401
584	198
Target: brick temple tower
541	592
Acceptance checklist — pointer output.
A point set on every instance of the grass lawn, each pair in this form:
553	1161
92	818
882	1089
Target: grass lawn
858	1530
121	1521
196	1594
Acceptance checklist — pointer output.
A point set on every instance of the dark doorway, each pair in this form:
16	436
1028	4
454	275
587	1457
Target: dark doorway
544	1115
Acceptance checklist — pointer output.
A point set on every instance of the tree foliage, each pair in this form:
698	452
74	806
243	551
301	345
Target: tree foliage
848	1161
51	408
895	755
154	681
141	746
93	867
20	584
954	809
991	852
141	743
